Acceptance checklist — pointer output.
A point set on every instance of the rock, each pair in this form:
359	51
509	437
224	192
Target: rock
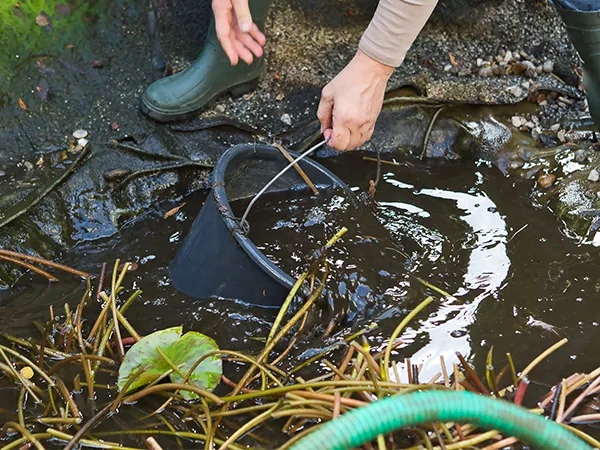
529	124
220	109
594	176
508	57
448	67
516	91
82	142
80	134
280	97
114	126
580	156
486	72
517	121
479	62
546	180
555	127
548	67
561	135
285	118
539	70
28	165
2	173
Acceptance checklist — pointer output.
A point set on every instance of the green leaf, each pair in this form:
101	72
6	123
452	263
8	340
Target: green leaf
183	351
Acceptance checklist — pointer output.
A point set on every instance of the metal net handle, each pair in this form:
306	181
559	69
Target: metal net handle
243	223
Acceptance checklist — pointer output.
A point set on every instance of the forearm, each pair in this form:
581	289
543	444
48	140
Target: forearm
393	29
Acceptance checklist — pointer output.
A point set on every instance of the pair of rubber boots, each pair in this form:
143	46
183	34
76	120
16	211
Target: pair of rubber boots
188	92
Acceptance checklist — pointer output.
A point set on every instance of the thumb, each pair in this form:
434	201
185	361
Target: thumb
242	13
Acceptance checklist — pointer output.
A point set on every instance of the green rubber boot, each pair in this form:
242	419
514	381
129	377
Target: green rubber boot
188	92
583	29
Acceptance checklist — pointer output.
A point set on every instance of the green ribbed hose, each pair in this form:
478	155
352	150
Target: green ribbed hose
384	416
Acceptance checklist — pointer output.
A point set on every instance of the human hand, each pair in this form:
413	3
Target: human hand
351	102
238	35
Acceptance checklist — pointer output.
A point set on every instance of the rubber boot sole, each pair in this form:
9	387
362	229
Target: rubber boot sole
165	117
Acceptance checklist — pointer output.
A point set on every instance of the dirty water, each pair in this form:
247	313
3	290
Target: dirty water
364	268
518	282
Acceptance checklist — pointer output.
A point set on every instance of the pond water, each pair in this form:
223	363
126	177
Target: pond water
519	282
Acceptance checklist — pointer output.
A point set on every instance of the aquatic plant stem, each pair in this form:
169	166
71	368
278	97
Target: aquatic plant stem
385	363
25	432
542	356
44	262
285	306
31	267
86	427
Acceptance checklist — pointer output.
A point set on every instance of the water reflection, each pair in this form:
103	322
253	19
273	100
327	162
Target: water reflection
488	266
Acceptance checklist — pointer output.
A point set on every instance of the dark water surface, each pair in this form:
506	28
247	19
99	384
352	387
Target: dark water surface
520	292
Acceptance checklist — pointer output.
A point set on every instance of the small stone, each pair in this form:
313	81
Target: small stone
498	70
580	156
543	103
535	133
114	126
2	173
28	165
285	118
517	121
280	97
479	62
546	180
548	67
561	135
82	142
486	72
555	127
529	124
448	67
80	134
525	85
539	70
220	109
594	176
508	57
515	91
516	165
565	100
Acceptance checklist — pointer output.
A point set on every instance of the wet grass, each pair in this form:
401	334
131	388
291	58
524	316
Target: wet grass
67	395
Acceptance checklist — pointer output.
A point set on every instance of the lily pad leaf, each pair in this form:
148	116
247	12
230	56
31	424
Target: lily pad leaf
182	351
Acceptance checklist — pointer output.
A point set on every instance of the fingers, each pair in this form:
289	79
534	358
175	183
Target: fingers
249	42
242	13
258	35
223	28
325	110
244	54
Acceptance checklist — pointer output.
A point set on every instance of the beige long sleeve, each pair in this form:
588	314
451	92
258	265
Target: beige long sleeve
393	29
